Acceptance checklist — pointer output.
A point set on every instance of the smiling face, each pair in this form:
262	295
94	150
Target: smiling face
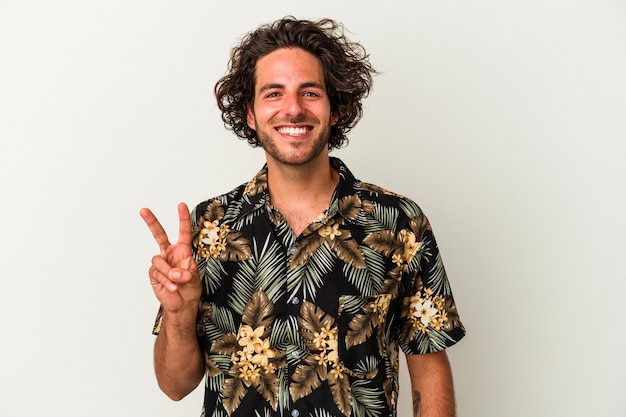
291	112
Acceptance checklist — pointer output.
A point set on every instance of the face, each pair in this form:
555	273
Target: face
291	110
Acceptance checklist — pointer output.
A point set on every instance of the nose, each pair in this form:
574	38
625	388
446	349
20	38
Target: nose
292	105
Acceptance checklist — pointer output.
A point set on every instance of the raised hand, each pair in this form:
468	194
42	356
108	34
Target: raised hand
174	273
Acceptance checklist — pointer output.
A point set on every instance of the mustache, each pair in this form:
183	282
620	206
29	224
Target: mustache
297	120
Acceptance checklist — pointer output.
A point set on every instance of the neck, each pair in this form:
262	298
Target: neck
306	183
301	193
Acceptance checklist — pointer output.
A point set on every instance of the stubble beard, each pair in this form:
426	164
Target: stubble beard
294	158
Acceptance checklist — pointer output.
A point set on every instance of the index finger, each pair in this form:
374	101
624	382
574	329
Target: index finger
184	225
155	227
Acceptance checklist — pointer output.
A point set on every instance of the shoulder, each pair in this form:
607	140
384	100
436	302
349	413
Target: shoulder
384	198
215	208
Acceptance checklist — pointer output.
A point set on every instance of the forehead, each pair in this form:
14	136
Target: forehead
288	66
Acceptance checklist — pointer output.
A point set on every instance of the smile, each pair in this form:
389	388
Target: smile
293	130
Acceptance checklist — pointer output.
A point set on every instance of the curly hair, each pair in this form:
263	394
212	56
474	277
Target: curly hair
347	73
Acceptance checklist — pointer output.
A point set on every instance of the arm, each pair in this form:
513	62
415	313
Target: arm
431	385
178	362
178	359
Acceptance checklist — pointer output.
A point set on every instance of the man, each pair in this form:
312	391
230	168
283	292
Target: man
293	293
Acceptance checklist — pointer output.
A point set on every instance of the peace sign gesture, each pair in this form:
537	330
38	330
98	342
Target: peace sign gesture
174	272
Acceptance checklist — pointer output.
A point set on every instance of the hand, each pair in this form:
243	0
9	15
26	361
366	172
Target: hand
174	272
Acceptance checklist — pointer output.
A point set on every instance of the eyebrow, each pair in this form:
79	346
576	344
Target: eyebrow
310	84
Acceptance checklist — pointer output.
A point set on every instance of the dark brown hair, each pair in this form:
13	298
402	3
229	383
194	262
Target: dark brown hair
347	72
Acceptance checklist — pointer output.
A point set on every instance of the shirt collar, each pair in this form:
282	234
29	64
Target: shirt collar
256	194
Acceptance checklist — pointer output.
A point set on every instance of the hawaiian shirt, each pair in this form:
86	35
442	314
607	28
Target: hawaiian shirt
311	325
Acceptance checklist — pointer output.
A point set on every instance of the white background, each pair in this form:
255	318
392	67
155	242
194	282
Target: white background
505	121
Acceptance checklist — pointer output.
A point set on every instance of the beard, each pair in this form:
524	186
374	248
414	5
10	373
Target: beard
295	153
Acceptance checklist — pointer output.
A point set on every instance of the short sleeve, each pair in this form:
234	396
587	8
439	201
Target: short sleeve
430	319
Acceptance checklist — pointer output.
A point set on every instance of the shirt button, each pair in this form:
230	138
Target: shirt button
295	413
295	355
295	300
292	250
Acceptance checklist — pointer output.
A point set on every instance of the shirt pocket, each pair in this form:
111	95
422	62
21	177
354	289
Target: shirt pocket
363	330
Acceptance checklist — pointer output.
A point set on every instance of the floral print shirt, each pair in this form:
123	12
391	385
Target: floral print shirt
311	325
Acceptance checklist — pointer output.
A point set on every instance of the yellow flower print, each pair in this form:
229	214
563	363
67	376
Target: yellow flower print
327	345
424	311
212	240
428	311
254	358
249	373
250	339
263	354
250	186
410	245
338	370
380	304
329	230
332	353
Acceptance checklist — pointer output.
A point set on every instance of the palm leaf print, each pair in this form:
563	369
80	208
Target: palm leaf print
367	368
318	412
454	320
258	312
221	361
384	242
223	320
307	378
286	333
312	319
226	345
439	282
268	272
307	246
367	402
419	225
340	388
391	285
210	273
410	208
211	368
350	207
308	277
234	391
361	328
347	249
243	288
237	248
267	386
216	383
385	217
367	280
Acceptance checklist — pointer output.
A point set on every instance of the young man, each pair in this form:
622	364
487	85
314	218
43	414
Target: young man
293	293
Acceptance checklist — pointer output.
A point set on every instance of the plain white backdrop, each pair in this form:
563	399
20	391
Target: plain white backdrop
505	121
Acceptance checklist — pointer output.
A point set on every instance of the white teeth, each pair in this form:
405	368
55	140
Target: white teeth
292	131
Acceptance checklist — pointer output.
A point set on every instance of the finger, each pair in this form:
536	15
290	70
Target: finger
159	275
184	227
180	276
155	228
160	264
189	264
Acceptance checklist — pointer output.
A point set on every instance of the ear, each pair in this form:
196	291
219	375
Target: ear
250	117
334	118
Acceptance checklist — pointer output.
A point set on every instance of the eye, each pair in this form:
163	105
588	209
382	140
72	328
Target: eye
311	94
271	95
